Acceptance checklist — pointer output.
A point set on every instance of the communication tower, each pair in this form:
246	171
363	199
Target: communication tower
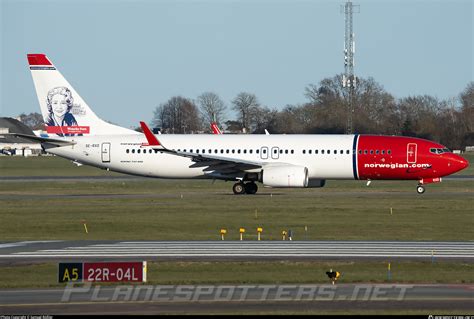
349	80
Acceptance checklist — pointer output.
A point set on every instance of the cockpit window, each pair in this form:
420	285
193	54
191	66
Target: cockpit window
439	150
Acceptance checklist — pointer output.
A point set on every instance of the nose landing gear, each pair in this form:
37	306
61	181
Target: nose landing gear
247	188
420	189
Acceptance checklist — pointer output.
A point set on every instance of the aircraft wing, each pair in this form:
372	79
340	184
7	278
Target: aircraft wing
38	139
212	163
216	163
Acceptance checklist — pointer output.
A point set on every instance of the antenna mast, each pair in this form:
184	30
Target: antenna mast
349	80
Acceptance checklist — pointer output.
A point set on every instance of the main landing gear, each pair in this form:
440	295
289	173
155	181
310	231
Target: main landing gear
247	188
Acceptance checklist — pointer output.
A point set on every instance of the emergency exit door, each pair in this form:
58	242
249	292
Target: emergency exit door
411	152
105	152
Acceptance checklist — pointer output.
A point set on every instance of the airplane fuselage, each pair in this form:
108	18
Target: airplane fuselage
346	157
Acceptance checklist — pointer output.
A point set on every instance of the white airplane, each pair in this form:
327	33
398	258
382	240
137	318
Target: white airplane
75	132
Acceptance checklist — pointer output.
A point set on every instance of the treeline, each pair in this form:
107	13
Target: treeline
449	122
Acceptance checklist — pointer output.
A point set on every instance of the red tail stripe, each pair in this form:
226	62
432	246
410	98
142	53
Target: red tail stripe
38	59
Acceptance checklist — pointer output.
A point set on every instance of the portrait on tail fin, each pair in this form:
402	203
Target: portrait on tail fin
60	101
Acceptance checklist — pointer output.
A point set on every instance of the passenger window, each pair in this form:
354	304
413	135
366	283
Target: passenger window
238	151
322	151
264	151
304	151
348	152
227	151
150	151
139	151
133	151
389	152
383	152
335	151
250	151
257	151
190	151
365	152
245	151
316	151
292	151
286	151
310	151
341	152
127	151
371	151
377	152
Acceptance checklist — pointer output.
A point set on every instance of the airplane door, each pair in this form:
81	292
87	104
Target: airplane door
264	152
411	152
275	152
105	152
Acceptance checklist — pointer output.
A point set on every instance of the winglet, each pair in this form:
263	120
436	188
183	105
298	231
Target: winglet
215	128
151	138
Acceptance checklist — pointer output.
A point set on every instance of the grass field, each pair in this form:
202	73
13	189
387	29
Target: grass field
274	272
154	209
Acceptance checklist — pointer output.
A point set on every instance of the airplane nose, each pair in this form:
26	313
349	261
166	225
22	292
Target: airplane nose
459	162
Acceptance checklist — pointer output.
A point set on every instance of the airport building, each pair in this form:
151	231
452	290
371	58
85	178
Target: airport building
16	146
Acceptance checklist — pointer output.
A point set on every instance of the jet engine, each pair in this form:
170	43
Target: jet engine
285	176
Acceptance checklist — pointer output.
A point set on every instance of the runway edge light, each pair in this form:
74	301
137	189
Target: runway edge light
145	269
242	231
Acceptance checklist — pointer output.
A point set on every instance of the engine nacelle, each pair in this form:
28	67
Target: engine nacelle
285	176
316	183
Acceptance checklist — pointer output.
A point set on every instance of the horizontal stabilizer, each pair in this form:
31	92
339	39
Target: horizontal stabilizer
37	139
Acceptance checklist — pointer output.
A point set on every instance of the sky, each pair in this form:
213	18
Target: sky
127	57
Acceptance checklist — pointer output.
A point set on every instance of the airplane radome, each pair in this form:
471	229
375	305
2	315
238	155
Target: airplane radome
76	133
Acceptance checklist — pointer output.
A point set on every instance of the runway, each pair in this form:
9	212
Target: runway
231	250
135	299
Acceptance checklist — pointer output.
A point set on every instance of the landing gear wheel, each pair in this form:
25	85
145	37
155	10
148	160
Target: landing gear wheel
251	188
239	188
420	189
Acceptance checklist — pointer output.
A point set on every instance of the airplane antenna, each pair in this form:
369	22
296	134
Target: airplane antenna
349	79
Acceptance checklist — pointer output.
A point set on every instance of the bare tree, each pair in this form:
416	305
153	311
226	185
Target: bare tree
245	103
212	108
178	115
467	101
32	120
